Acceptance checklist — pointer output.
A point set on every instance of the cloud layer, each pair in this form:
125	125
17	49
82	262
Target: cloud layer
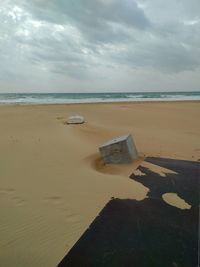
100	45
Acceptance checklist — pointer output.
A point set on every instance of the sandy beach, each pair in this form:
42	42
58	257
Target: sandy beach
52	182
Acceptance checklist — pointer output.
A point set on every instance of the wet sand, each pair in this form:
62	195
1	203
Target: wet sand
52	183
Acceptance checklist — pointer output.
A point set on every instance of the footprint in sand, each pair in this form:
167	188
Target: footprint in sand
18	201
53	200
68	215
60	118
8	190
72	218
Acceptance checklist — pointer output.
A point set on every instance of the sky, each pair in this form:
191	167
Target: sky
99	45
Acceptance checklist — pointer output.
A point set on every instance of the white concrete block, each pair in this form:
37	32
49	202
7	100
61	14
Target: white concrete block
75	120
119	150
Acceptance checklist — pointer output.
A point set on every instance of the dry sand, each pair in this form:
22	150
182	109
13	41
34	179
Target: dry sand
52	183
174	200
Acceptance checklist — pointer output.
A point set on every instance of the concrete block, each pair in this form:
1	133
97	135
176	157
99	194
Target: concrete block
75	120
119	150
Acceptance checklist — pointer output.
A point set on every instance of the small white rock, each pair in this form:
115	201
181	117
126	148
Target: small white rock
75	120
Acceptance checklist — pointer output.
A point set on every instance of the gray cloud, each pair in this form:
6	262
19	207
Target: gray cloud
91	13
82	42
98	21
170	51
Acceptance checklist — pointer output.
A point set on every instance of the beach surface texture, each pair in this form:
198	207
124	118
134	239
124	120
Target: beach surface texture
53	183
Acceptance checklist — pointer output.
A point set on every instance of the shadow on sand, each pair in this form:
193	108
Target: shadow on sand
130	233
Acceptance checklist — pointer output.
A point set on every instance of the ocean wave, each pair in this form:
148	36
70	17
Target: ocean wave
68	98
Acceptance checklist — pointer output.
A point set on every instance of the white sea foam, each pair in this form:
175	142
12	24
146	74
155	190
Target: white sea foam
70	98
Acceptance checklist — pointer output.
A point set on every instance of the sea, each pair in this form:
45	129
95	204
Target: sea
68	98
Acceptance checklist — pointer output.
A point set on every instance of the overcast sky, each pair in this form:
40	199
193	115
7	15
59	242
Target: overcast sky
99	45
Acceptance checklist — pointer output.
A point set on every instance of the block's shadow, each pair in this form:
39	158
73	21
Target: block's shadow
145	233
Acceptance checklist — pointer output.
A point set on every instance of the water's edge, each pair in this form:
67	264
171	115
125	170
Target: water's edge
73	98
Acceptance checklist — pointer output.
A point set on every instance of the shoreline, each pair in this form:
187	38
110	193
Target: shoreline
104	102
